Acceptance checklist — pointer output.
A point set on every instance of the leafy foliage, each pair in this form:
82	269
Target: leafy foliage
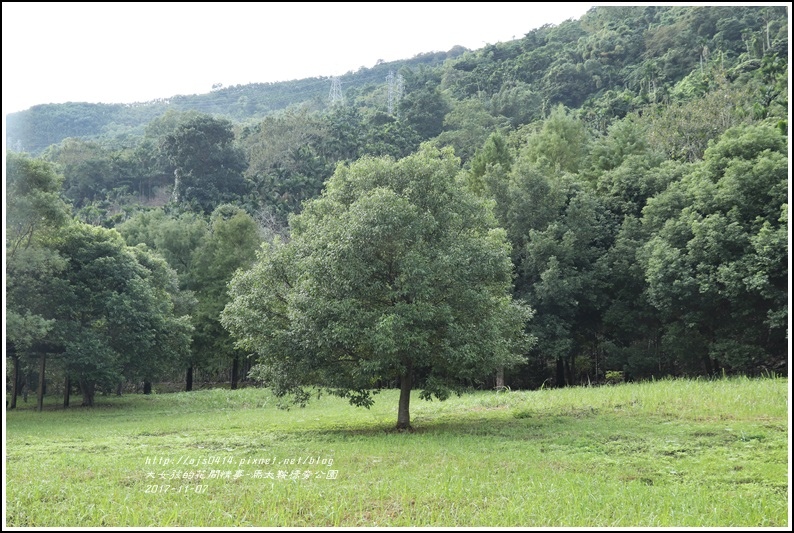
205	254
207	166
707	269
394	272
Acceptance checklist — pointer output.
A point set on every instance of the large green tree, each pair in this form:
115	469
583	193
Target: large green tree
561	144
424	105
230	243
562	276
467	126
395	272
716	264
208	166
205	254
176	239
112	310
34	210
33	202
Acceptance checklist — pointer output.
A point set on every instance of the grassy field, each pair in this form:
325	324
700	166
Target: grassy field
668	453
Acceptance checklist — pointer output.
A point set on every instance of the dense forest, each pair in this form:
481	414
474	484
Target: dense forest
623	178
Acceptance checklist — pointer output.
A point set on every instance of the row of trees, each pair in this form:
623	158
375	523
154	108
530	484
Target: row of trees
400	270
652	267
111	306
204	253
76	292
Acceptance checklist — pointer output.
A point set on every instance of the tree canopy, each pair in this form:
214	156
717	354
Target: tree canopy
207	165
395	272
112	310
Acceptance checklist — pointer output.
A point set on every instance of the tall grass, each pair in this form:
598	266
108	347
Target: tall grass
671	453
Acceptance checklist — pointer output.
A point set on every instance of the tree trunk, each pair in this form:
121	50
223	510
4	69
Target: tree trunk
768	43
189	379
707	365
40	403
15	384
119	388
560	373
500	378
147	387
403	415
235	371
87	388
67	389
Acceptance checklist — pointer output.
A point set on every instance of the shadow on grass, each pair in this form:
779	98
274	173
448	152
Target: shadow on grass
519	426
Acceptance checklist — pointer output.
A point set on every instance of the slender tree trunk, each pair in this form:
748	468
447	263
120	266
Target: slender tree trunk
147	387
67	389
500	378
768	43
119	388
235	371
87	388
15	384
42	362
189	379
715	365
560	373
403	415
707	365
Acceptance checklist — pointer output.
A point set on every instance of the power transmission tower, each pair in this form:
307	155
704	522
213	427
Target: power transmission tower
390	88
398	92
395	90
335	96
175	192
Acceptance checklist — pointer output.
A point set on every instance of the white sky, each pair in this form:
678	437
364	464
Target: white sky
134	52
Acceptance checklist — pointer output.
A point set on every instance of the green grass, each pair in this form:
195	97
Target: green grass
670	453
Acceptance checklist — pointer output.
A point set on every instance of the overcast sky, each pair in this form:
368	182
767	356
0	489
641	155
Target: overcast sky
134	52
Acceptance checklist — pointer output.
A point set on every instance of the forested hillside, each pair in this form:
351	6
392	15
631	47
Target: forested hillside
36	128
630	168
